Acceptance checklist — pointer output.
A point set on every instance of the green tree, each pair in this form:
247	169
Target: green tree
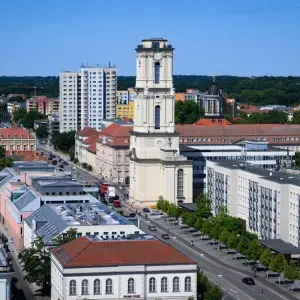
19	115
215	231
233	241
63	141
184	217
203	206
5	162
187	112
192	219
213	293
296	117
202	284
243	245
291	271
16	99
199	224
297	159
30	117
266	257
255	250
71	152
224	236
277	263
2	151
127	180
89	168
35	263
71	234
173	211
206	228
41	132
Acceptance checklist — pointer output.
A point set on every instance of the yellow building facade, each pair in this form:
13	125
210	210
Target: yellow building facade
125	110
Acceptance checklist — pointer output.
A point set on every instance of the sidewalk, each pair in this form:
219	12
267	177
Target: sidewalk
212	252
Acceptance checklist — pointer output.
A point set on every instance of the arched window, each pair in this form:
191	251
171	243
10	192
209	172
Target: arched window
130	286
156	72
108	286
175	284
180	183
157	117
152	285
164	284
96	287
187	284
84	287
72	287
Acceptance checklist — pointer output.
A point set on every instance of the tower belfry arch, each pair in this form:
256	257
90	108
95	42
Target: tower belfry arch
154	142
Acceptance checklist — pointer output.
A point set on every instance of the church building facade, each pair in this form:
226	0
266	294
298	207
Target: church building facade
156	166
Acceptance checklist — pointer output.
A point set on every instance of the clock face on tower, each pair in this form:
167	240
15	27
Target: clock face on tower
157	56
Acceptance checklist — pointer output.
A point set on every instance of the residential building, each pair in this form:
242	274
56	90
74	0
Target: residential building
87	97
43	105
27	186
52	220
112	152
267	201
255	152
83	139
13	106
125	111
155	271
154	144
6	272
126	96
16	139
53	123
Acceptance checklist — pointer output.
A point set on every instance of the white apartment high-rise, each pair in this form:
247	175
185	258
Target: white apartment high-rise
87	97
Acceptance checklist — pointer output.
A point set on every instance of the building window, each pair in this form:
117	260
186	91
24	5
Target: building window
157	117
164	285
96	287
11	147
84	287
152	285
156	72
108	287
180	183
72	287
175	284
25	147
187	284
130	286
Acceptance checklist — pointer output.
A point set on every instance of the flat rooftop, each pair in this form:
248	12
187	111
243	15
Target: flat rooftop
275	176
282	247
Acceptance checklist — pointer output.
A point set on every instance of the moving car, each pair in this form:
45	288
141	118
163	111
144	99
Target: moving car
248	281
152	228
165	236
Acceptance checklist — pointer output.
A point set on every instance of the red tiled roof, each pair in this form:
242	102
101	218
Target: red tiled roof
92	147
86	253
116	135
15	132
91	139
189	130
213	122
87	131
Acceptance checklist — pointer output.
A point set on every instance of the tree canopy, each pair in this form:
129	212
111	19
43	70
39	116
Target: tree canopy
41	132
63	141
187	112
20	116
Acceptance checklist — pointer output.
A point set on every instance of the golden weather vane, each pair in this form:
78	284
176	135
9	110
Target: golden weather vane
214	78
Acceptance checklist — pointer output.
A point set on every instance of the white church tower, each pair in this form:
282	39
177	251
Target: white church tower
156	167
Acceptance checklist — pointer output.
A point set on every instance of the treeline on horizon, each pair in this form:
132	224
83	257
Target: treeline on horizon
251	90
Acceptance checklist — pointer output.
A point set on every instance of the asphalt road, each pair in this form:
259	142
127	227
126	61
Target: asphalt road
229	279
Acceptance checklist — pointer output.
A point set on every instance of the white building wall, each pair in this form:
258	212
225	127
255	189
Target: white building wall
61	278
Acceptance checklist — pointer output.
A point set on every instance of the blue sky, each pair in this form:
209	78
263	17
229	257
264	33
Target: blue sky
232	37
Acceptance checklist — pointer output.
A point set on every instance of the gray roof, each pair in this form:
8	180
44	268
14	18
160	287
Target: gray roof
59	183
276	176
51	223
188	206
24	200
280	246
9	175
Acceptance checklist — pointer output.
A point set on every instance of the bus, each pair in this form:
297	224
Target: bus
103	188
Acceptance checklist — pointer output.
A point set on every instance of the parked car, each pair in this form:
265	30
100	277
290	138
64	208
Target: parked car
61	166
54	162
120	212
132	215
248	281
165	236
146	210
152	228
65	163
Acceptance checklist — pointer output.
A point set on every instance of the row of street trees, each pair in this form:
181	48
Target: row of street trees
4	160
232	233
